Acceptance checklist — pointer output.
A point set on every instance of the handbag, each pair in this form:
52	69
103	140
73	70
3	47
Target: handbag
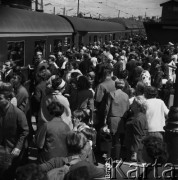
105	140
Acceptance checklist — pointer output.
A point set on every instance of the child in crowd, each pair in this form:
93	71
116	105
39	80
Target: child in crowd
89	132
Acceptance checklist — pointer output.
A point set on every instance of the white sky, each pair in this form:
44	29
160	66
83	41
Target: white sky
106	8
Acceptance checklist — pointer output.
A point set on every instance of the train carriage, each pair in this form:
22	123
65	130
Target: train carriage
90	30
23	32
132	27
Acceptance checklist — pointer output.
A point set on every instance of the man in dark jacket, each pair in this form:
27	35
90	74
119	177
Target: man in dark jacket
108	85
13	123
13	128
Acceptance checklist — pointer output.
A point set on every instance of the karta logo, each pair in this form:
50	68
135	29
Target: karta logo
128	170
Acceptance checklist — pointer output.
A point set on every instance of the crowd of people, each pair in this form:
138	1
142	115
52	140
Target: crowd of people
83	106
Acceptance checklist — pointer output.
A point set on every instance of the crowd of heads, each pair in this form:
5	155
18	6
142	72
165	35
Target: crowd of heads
137	68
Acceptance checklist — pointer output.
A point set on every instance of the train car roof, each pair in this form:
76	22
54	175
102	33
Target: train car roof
20	22
128	23
91	25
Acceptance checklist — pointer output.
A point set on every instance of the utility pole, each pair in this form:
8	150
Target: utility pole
42	5
119	13
78	5
54	10
64	11
36	5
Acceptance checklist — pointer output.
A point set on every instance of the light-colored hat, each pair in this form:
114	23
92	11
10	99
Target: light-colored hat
61	85
110	57
171	44
52	56
39	53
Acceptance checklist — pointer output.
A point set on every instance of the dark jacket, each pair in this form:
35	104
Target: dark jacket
94	172
85	67
136	130
13	128
40	91
101	96
116	105
85	99
22	99
51	139
118	68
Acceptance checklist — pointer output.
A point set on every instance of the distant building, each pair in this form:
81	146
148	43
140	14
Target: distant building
170	12
165	30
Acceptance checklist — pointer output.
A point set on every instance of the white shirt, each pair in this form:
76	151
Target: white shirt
124	59
94	61
155	114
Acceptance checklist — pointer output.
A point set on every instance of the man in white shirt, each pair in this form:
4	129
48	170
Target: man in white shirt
156	112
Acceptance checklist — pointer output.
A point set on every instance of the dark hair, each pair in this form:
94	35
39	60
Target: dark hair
42	68
6	89
69	65
20	76
75	142
169	84
75	65
150	92
90	133
119	83
86	57
78	56
80	173
56	82
42	74
83	83
140	88
173	114
124	74
31	172
74	75
55	108
79	114
107	48
106	71
156	149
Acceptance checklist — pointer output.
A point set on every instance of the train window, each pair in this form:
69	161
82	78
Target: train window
80	40
16	52
114	36
89	39
66	41
100	39
57	45
95	38
40	45
110	37
106	38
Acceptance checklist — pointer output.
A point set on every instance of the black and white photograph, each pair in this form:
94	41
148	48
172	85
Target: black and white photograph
88	89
